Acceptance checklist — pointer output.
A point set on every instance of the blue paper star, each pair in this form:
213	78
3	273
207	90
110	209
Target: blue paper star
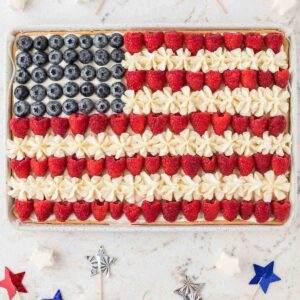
264	276
57	296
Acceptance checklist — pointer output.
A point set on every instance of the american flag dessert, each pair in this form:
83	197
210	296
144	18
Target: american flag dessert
150	127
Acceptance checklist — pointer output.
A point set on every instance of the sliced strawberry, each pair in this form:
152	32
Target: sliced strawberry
171	210
118	123
191	209
78	123
210	209
281	210
135	80
274	41
240	123
282	78
152	164
135	164
246	209
76	166
262	211
57	165
174	40
209	164
43	209
39	125
59	125
170	164
151	210
277	125
23	209
133	42
21	167
213	80
230	209
153	40
99	209
262	162
265	78
178	122
132	212
115	167
155	80
116	209
191	164
200	121
227	163
245	165
254	41
175	79
82	210
213	41
280	164
233	40
95	167
62	210
195	80
98	123
137	123
158	122
249	79
220	122
194	42
232	78
39	167
258	125
19	126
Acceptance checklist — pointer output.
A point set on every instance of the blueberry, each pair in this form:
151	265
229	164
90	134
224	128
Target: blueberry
71	89
85	56
24	43
71	41
88	73
40	43
87	89
21	108
117	71
23	60
70	106
117	55
103	90
21	92
38	109
103	74
53	108
116	40
101	57
38	92
56	42
40	58
117	105
70	56
86	105
22	76
55	57
72	72
54	91
117	89
38	75
85	41
100	40
55	72
102	106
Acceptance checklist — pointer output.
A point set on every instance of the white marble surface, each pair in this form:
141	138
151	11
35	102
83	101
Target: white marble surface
149	264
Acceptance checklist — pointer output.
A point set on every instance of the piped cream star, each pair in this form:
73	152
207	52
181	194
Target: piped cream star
228	264
43	257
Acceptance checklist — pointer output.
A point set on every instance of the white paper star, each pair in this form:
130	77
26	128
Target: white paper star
228	264
17	4
43	257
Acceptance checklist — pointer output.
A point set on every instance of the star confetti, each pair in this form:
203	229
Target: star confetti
43	257
190	290
13	283
264	276
228	264
57	296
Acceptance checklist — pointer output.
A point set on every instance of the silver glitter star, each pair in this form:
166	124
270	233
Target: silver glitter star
190	290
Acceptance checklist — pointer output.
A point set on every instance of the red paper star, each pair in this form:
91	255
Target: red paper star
13	283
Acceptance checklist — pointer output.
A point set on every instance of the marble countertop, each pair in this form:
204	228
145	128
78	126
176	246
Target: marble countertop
149	264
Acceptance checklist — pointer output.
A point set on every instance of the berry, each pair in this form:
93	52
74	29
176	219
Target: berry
115	167
56	165
245	165
56	42
43	209
70	56
101	57
117	71
158	122
71	89
85	105
116	209
103	74
153	40
227	163
62	210
265	78
258	125
213	80
171	210
133	41
209	164
78	123
75	166
151	210
85	56
21	108
40	43
220	122
54	91
230	209
55	57
39	167
87	89
155	80
19	126
281	210
200	121
174	40
102	106
274	41
240	123
85	41
210	209
37	109
53	108
72	72
135	164
152	164
191	164
24	43
82	210
281	78
170	164
100	40
232	78
38	92
246	209
22	76
88	73
249	78
55	72
21	167
117	55
233	40
262	162
59	125
178	122
117	89
95	167
118	123
280	164
175	79
194	42
191	209
71	41
195	80
137	123
40	58
117	106
23	60
213	41
102	90
39	125
99	210
70	106
135	80
116	40
132	212
262	211
254	41
23	209
21	92
277	125
39	75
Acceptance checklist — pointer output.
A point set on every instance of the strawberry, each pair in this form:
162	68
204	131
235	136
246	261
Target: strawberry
209	164
152	164
262	211
210	209
265	78
135	80
19	126
191	209
43	209
39	167
75	166
195	80
174	40
135	164
116	209
95	167
249	78
59	125
133	42
178	122
39	125
191	164
132	212
170	164
213	80
175	79
194	42
213	41
277	125
262	162
82	210
240	123
246	209
115	167
56	165
118	123
232	78
245	164
21	167
78	123
99	209
200	121
151	210
171	210
62	210
23	209
233	40
155	80
254	41
137	123
258	125
274	41
281	210
220	122
230	209
280	164
158	122
227	163
153	40
98	122
282	78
